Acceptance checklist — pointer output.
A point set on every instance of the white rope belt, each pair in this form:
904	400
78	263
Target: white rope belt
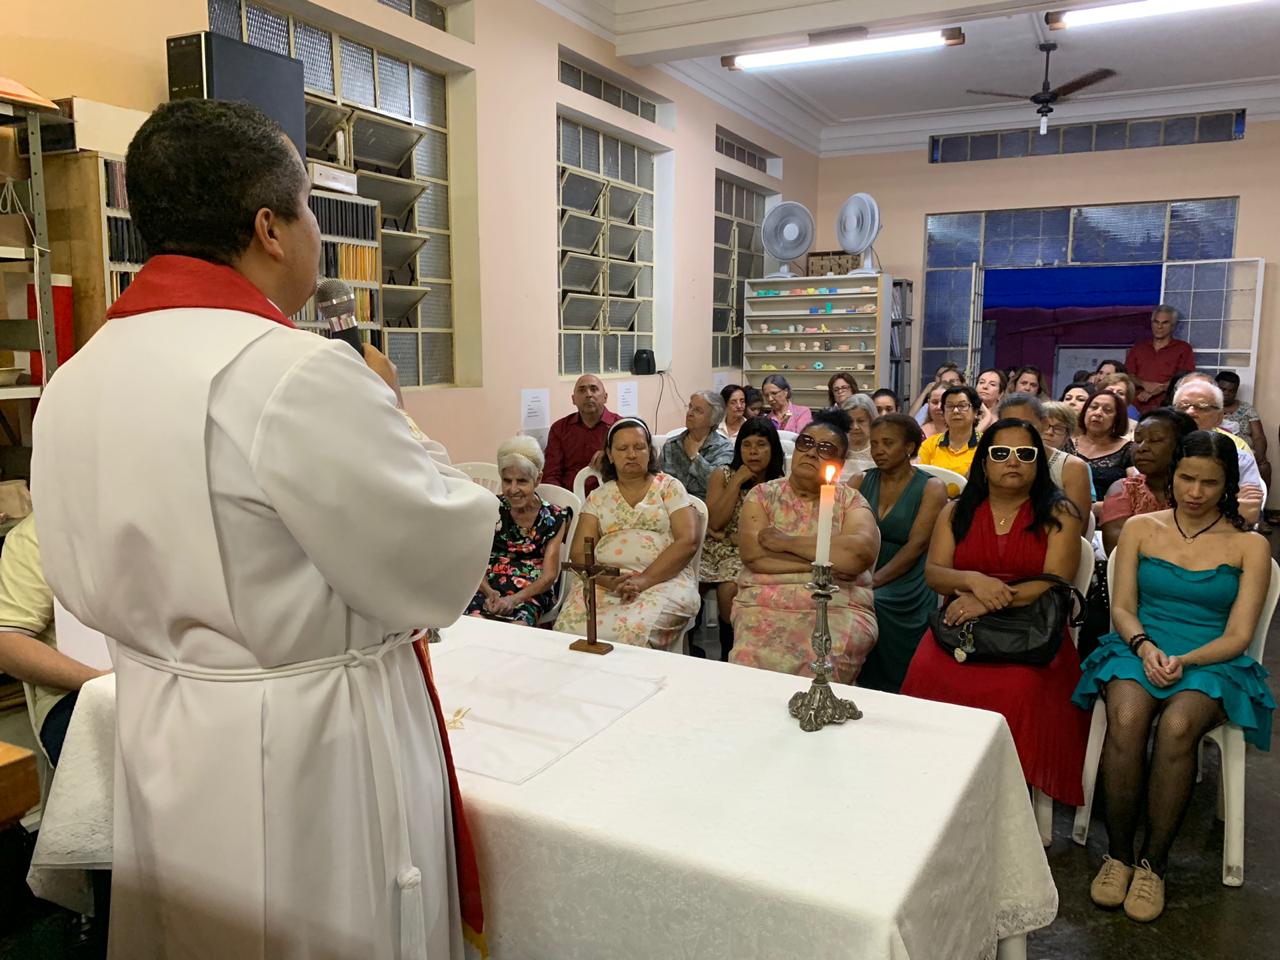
384	755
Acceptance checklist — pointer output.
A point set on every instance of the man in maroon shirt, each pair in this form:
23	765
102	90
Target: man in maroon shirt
576	440
1153	363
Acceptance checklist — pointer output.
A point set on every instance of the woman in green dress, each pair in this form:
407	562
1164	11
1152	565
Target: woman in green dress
906	502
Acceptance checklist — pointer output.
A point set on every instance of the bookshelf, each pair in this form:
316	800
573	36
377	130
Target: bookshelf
807	328
350	250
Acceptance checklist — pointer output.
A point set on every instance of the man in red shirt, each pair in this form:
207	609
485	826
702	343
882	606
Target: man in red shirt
1153	363
576	440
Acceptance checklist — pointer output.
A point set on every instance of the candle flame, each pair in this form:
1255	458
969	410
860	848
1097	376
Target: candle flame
831	472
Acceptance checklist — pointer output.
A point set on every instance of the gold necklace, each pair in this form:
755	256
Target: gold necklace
1003	522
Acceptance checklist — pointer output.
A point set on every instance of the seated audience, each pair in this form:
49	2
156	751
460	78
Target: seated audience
1010	522
735	411
1156	444
575	441
840	388
643	523
524	561
784	414
692	455
1076	395
861	412
1243	420
1188	589
905	502
1058	424
1122	385
947	374
1201	399
1069	473
757	458
755	401
1101	441
935	421
1153	363
953	448
886	401
1105	367
1029	379
28	642
773	613
991	386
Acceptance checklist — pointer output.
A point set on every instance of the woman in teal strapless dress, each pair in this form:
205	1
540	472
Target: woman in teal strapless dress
906	502
1189	585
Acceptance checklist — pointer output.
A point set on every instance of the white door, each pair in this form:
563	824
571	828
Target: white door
973	354
1220	302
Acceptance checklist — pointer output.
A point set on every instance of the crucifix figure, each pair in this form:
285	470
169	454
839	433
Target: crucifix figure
588	572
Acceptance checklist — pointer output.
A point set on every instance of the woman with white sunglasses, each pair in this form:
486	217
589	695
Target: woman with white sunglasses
1010	522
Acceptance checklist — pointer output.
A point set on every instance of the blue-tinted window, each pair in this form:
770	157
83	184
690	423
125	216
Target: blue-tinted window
955	149
1110	136
1145	133
983	146
1025	238
947	296
1124	233
1179	130
1077	139
954	239
1216	127
1046	144
1202	229
1013	143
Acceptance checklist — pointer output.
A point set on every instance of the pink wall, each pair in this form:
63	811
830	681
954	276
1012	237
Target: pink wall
908	188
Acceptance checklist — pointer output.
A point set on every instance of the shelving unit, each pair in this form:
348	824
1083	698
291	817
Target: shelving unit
783	315
900	339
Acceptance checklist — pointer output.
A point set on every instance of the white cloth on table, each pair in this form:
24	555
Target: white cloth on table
511	715
704	823
266	507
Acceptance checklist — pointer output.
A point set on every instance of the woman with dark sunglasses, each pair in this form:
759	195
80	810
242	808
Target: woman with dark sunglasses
1011	521
777	537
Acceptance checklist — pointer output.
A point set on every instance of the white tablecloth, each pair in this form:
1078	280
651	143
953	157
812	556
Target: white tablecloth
705	824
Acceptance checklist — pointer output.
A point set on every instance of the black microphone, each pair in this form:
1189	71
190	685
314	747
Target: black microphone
336	307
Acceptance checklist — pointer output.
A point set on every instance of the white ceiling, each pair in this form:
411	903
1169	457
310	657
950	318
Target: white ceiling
1182	63
1001	54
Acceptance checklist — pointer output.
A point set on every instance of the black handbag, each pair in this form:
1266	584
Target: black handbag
1030	634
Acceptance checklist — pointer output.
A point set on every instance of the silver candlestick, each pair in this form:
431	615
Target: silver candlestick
819	706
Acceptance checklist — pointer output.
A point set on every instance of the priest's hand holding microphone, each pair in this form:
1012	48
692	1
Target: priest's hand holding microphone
336	309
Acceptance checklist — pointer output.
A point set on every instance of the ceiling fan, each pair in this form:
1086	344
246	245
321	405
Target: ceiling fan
1047	96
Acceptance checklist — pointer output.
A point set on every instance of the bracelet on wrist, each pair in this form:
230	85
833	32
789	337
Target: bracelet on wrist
1136	641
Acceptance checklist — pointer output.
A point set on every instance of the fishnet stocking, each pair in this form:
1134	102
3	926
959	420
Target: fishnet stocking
1184	719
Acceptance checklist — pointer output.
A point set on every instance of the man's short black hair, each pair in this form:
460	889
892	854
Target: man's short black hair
200	170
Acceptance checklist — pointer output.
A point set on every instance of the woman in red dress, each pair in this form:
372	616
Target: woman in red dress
1010	522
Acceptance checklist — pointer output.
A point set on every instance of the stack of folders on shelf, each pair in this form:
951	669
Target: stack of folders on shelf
117	190
349	261
343	218
366	309
124	243
120	279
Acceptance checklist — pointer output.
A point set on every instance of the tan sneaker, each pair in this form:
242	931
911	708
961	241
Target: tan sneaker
1145	900
1111	884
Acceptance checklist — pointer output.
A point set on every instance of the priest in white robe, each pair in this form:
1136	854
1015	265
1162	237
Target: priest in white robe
241	505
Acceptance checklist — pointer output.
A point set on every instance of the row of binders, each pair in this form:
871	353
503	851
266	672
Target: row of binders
120	280
124	242
366	309
349	261
117	189
343	218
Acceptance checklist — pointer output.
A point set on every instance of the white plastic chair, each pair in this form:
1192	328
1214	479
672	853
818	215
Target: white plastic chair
485	474
703	522
1041	801
560	497
953	480
788	438
1229	738
580	482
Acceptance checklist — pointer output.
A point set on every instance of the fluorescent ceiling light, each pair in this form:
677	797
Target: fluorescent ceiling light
1134	11
820	52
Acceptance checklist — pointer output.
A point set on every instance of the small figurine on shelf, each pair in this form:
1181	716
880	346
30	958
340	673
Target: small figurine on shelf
786	348
823	328
817	365
844	348
826	344
803	346
862	344
771	348
817	345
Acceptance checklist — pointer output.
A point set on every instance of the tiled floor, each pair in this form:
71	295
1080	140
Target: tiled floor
1203	919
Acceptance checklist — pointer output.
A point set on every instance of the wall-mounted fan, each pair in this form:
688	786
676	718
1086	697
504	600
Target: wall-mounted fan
787	233
857	226
1047	96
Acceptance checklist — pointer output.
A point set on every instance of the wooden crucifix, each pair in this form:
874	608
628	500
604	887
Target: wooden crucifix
588	572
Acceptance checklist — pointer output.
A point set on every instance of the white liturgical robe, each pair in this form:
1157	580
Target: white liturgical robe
241	506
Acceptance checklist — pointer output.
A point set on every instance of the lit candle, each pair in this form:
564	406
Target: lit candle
826	509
